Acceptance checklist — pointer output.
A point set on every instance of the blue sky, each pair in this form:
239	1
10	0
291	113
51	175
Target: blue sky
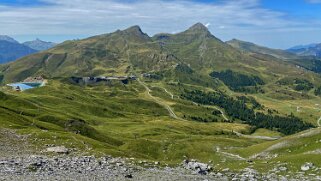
273	23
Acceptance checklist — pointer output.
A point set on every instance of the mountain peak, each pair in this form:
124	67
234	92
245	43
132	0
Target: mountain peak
198	27
8	39
136	31
199	30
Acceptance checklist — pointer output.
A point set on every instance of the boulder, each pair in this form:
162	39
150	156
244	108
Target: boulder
200	168
307	166
58	149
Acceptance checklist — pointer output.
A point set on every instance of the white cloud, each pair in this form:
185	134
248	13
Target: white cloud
99	16
208	25
90	17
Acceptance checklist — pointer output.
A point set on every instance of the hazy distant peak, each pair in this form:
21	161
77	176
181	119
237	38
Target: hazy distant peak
39	44
307	50
8	39
297	47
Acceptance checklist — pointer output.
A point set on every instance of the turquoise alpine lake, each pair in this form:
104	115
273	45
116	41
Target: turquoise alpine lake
25	85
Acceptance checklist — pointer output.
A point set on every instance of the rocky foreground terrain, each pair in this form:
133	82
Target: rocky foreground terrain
19	162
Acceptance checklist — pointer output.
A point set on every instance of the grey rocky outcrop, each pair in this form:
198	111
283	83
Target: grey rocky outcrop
198	167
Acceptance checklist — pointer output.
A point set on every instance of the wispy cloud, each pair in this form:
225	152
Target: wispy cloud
89	17
98	16
313	1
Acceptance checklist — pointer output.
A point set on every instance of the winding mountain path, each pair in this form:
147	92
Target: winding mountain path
222	113
268	138
169	93
214	107
172	95
231	155
173	115
169	109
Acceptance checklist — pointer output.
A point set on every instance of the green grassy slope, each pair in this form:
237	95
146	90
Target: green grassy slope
124	121
111	120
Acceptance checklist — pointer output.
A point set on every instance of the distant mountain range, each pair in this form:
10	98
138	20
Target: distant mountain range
307	50
254	48
8	39
305	60
303	46
11	50
297	52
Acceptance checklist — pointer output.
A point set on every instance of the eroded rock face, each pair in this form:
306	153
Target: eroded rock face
58	149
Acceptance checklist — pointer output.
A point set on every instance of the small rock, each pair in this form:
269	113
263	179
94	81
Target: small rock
283	168
119	164
129	176
226	170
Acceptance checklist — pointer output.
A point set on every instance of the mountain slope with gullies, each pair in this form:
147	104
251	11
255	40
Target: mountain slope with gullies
132	51
112	53
192	57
